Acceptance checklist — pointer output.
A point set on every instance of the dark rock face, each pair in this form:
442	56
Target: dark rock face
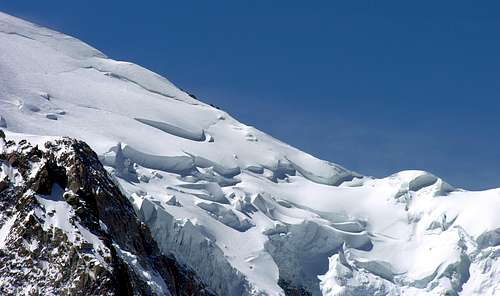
291	290
66	229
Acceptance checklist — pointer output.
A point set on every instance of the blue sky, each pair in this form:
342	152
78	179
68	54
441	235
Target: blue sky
377	86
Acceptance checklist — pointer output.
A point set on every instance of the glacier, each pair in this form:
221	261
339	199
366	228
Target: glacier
248	213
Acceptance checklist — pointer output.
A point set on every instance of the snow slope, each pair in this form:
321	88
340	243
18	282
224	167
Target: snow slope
250	214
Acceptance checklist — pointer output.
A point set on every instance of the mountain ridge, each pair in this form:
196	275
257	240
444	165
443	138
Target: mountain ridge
86	252
248	214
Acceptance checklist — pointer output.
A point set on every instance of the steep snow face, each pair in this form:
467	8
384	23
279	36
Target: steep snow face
250	214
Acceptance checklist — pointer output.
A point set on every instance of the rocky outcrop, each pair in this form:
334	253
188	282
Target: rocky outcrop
66	229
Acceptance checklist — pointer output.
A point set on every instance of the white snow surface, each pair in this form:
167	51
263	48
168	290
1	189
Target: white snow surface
238	206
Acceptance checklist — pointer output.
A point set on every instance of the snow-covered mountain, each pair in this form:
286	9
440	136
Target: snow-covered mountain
231	210
68	230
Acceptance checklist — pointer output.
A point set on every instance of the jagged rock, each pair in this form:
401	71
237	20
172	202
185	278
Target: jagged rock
69	225
4	184
291	290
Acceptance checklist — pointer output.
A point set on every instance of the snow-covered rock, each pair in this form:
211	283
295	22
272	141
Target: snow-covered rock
250	215
66	229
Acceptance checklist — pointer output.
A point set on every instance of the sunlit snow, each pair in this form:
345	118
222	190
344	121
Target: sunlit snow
239	207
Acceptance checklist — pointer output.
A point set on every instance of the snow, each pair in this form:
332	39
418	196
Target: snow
5	230
57	213
152	278
7	171
54	203
238	206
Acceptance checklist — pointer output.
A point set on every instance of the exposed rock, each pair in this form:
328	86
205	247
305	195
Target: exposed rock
4	184
70	231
